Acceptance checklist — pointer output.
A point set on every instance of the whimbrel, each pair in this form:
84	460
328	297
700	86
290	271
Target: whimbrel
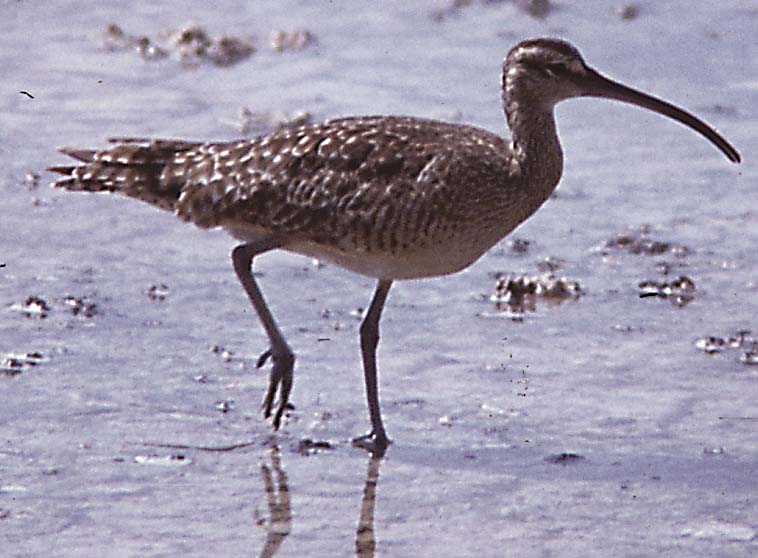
389	197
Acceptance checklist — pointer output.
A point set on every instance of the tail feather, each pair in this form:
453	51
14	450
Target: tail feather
128	139
62	169
83	155
133	167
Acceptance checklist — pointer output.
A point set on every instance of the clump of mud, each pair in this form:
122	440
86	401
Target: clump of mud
194	45
282	41
158	292
33	307
36	307
80	306
639	242
519	246
680	291
538	9
743	343
13	364
518	294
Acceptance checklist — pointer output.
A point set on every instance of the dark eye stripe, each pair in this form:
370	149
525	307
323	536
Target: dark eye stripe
545	69
556	68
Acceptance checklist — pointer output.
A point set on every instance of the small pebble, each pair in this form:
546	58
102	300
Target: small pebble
566	458
157	292
80	306
628	12
31	180
306	446
282	41
225	406
445	420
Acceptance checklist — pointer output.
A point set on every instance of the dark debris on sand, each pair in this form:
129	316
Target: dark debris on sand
194	45
639	242
37	307
13	364
158	292
743	343
33	307
518	293
680	291
538	9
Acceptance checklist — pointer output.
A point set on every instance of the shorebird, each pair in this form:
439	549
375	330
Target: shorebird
390	197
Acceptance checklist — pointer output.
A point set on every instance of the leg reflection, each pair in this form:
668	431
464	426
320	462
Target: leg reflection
365	543
279	522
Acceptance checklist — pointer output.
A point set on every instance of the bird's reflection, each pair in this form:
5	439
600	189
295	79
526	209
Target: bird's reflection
365	543
279	522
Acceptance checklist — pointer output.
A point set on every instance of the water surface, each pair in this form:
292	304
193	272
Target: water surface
591	428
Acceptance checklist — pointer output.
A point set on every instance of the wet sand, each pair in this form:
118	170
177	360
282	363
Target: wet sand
601	424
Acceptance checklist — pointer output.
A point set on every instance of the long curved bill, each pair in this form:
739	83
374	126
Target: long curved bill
600	86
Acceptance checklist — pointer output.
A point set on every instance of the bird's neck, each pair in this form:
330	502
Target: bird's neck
535	147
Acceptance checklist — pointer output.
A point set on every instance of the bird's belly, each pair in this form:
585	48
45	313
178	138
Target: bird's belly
432	261
432	258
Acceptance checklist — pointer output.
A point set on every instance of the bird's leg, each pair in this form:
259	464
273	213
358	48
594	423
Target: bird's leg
281	354
376	441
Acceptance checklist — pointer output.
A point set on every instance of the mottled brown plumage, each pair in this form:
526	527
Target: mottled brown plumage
389	197
388	187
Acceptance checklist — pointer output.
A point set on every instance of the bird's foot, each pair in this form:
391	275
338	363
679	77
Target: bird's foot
280	380
375	444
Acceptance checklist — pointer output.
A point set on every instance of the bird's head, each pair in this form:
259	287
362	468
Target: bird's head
547	70
539	73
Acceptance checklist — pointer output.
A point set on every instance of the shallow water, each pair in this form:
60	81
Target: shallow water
595	427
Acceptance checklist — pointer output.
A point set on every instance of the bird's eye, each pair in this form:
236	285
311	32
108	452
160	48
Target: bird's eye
547	69
554	70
